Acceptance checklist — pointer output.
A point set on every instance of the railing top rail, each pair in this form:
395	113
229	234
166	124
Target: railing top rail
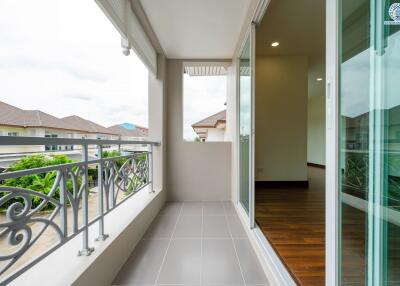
26	172
19	140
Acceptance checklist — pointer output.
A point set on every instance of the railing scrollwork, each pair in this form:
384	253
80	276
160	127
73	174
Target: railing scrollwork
65	207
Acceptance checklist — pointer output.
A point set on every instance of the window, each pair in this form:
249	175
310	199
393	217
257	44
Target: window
204	102
14	134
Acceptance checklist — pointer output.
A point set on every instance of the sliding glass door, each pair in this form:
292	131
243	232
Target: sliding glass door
246	136
369	142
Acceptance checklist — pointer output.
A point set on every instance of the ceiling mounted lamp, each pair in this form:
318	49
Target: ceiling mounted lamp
319	79
275	44
126	47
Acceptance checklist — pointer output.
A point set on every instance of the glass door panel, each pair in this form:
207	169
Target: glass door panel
245	125
369	100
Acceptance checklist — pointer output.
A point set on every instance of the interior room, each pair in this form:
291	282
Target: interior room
290	135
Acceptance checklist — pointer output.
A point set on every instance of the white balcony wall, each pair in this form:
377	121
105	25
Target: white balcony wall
195	171
157	122
231	128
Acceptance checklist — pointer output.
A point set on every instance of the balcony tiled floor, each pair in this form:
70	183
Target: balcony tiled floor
194	243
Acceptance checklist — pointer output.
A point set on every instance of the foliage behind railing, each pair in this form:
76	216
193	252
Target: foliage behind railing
62	192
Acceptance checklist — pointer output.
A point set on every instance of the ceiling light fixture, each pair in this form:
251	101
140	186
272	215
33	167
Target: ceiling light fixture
275	44
319	79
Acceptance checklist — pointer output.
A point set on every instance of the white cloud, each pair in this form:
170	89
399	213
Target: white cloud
64	57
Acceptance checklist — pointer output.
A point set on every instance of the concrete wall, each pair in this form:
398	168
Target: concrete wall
195	171
231	128
157	121
316	130
281	118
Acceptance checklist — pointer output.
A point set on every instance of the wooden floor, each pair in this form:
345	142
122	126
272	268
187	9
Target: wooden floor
293	220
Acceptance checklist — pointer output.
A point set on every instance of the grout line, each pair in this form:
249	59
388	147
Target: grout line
234	246
169	244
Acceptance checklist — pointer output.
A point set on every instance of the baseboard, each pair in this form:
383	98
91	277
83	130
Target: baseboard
316	165
281	184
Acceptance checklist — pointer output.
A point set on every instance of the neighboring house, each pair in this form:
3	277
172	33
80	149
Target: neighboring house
91	129
132	133
211	128
32	123
15	121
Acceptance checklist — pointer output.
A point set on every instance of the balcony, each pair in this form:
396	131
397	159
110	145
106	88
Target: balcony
121	225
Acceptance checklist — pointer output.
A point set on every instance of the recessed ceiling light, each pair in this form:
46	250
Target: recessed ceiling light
319	79
275	44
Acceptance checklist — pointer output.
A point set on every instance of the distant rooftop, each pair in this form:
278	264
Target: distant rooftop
135	132
14	116
211	121
87	125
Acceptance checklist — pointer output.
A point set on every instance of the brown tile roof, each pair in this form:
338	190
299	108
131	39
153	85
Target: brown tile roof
87	125
137	132
211	121
13	116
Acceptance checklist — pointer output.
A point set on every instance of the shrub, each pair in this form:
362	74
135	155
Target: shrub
42	182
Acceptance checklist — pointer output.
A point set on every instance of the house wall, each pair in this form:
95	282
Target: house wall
281	118
21	132
316	130
195	171
215	135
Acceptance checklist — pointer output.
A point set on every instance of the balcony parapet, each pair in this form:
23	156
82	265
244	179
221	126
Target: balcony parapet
24	223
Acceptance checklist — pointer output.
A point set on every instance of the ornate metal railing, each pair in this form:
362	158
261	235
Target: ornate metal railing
65	206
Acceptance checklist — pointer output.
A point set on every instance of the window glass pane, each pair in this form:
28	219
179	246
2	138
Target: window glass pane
370	147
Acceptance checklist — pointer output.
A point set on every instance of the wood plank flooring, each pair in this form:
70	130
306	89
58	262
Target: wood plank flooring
293	220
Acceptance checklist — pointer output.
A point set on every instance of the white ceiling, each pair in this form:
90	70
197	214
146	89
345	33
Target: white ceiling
197	29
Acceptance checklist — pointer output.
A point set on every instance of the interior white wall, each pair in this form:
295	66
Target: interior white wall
195	171
281	118
316	130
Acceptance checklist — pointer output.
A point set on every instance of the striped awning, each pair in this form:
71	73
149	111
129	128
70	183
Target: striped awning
206	68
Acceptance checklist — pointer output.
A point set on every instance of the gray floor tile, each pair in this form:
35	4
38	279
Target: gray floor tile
192	208
183	262
161	227
229	208
236	227
144	263
171	209
252	270
188	227
213	208
219	263
215	227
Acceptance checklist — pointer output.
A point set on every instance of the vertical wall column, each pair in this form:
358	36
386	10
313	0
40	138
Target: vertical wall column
157	122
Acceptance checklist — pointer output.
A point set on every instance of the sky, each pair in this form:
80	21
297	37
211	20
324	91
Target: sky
64	57
203	96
